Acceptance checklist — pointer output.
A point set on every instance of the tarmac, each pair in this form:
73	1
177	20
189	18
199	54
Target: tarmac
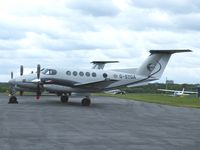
108	124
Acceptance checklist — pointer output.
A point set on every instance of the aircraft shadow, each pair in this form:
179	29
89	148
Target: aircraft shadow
59	104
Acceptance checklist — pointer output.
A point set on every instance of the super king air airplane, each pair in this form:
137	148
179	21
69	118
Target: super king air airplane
64	81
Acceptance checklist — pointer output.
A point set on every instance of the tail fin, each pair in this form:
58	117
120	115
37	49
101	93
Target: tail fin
155	65
183	91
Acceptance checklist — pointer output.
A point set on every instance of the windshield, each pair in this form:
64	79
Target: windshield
49	72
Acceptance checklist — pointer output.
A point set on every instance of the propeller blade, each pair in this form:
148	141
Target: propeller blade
38	93
21	70
11	75
38	71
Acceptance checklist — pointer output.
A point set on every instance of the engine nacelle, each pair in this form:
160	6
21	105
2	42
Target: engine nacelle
57	88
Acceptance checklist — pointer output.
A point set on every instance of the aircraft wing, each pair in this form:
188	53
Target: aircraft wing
165	90
190	92
95	85
86	85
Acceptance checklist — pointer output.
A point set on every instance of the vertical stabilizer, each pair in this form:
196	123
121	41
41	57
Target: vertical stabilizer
183	91
155	65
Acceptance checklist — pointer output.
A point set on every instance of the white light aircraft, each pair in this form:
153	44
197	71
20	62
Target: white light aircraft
64	81
178	93
116	91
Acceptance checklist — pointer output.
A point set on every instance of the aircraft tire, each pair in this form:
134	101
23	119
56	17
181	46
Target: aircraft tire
64	99
86	102
13	100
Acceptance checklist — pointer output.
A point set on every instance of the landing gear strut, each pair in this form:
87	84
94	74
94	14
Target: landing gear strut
86	101
64	98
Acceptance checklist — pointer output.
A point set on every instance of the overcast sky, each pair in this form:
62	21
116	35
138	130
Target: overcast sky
71	33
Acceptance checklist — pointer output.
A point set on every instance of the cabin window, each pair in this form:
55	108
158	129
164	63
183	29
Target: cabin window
105	75
75	73
45	71
68	73
115	76
87	74
94	74
81	73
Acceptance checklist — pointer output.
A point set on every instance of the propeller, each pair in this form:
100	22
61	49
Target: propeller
21	74
11	75
38	91
11	86
21	70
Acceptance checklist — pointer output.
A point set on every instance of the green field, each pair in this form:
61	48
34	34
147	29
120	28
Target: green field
186	101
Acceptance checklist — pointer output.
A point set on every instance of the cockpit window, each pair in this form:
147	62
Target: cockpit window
49	72
41	70
44	71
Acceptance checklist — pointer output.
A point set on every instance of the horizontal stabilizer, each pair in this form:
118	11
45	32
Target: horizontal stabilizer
172	51
101	64
104	62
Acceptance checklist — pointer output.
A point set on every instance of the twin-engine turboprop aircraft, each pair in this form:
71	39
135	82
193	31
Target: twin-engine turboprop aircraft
64	81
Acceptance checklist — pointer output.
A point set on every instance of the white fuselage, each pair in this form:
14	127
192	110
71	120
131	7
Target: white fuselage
76	80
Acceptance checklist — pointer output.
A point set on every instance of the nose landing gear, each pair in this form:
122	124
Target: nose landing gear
13	98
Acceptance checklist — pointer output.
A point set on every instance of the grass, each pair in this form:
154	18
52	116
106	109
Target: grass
186	101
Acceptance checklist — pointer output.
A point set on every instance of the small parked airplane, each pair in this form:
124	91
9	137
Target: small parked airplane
178	93
64	81
116	91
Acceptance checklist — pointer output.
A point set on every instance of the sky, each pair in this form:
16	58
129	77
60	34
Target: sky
72	33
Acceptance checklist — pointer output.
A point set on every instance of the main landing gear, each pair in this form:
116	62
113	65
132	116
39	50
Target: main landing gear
85	102
64	98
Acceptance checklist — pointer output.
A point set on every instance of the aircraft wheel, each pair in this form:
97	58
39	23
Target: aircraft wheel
86	102
64	99
13	100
